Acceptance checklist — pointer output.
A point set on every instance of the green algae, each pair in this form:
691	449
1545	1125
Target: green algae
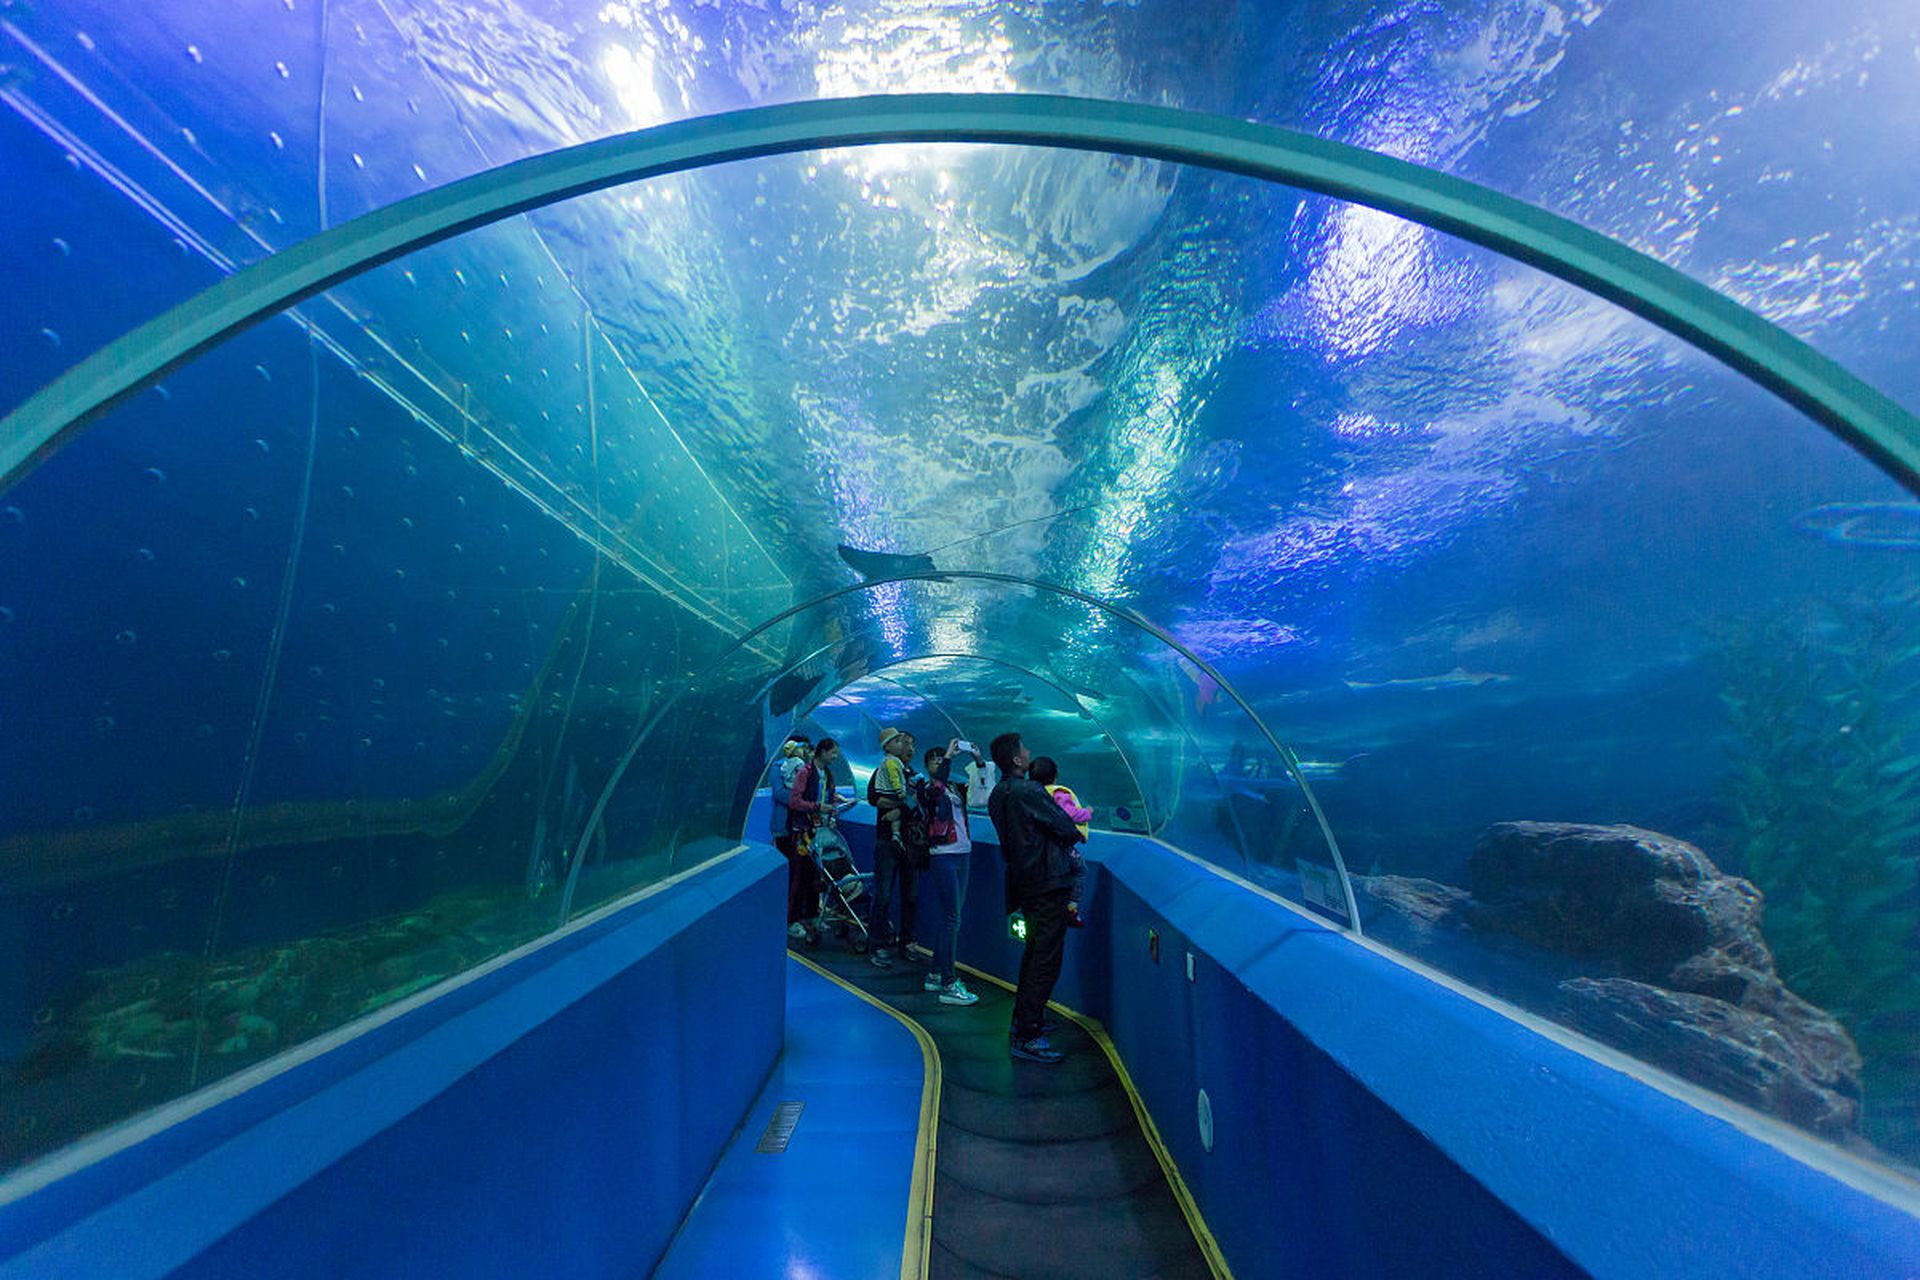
1823	708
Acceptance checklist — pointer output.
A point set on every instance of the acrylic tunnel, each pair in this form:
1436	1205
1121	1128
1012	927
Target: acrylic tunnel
1436	484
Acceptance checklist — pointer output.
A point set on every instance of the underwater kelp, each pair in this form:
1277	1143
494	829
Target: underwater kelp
1823	712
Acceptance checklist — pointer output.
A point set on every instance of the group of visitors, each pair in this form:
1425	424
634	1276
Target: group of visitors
921	825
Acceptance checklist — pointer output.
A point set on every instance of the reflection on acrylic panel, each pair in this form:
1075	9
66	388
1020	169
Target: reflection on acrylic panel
387	637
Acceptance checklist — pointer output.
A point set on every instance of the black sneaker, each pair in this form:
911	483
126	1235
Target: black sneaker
1037	1049
1047	1027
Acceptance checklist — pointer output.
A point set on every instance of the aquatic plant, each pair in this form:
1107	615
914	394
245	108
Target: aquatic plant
1824	712
154	1027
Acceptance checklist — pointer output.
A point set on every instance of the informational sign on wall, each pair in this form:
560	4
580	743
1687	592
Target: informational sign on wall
1321	887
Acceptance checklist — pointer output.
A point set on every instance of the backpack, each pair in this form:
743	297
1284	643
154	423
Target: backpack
937	804
914	836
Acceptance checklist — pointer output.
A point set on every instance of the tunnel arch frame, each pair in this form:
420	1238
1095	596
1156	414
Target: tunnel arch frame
881	673
1752	346
1121	613
1185	731
1742	339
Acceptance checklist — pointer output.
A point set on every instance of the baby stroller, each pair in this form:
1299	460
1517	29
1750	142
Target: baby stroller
841	887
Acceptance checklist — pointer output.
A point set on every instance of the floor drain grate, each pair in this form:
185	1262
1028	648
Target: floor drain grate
780	1129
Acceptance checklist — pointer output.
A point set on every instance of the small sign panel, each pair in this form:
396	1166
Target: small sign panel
1321	885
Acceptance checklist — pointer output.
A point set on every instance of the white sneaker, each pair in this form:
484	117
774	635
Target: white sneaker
931	983
957	993
919	952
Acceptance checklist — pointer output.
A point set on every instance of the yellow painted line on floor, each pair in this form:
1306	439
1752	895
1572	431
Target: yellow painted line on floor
1202	1236
916	1254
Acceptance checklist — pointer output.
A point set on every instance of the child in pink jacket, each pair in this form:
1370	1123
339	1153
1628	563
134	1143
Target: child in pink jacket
1045	772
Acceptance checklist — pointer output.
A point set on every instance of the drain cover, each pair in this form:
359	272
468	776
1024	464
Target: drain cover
780	1129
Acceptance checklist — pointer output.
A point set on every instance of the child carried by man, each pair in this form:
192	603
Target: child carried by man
1044	771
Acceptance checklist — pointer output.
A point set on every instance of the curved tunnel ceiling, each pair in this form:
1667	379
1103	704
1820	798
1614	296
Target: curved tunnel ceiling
1355	483
416	570
1762	352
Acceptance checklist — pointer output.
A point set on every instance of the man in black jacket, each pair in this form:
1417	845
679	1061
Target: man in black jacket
1035	839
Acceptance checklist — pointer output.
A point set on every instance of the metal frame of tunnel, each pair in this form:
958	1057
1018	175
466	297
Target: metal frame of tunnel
880	673
1643	285
1715	324
1122	613
1146	806
1173	718
1285	752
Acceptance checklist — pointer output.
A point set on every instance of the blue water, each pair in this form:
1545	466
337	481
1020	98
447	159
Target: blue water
374	644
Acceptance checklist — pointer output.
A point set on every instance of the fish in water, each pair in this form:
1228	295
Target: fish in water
1074	687
873	565
1206	690
1264	784
1863	524
789	691
1458	678
1319	770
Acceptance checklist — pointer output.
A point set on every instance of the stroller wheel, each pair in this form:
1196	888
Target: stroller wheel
813	939
840	930
858	946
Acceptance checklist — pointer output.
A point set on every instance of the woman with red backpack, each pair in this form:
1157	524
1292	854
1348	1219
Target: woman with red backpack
943	802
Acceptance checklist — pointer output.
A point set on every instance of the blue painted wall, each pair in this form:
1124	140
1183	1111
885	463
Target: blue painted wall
555	1116
1311	1174
564	1110
1371	1121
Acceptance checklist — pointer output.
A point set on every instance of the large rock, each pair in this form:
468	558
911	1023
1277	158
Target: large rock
1427	904
1674	967
1806	1071
1646	905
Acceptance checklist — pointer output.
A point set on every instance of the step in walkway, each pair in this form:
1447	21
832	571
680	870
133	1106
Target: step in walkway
1042	1171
